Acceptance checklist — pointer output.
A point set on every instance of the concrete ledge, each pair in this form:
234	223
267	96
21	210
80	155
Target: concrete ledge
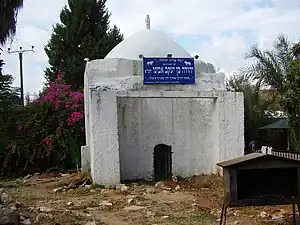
170	94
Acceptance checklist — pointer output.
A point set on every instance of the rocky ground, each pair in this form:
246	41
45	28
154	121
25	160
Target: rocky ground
62	199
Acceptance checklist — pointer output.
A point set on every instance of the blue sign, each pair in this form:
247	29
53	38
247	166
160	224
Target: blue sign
169	70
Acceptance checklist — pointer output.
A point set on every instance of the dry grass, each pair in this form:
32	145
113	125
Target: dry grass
198	201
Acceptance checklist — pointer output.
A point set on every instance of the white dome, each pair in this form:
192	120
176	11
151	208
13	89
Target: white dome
149	43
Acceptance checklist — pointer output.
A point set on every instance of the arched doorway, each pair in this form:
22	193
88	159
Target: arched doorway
162	161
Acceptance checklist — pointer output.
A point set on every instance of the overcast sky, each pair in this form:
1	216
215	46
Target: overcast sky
219	31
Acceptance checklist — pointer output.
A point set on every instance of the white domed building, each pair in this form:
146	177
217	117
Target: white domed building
149	43
137	131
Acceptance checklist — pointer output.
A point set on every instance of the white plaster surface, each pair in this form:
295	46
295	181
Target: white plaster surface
86	106
230	111
85	158
149	43
98	70
105	162
203	123
190	125
183	123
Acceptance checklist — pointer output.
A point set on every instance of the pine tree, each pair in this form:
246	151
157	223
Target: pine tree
8	99
84	32
8	94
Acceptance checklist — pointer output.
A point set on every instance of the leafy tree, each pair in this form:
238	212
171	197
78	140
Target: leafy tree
8	18
8	99
270	67
291	98
84	32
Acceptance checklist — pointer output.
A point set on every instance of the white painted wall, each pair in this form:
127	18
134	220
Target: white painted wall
183	123
203	123
231	125
122	74
189	125
105	161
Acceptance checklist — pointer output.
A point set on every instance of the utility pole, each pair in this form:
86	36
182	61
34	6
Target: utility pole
20	52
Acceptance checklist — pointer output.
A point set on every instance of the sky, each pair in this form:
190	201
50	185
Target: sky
220	32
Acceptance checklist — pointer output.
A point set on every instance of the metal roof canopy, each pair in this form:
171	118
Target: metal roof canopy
249	157
280	124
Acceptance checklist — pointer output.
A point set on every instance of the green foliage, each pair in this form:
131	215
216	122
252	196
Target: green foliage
296	50
48	133
9	99
8	94
44	134
278	70
84	32
269	68
291	98
294	140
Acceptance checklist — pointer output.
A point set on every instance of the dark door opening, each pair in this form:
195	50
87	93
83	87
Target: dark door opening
162	162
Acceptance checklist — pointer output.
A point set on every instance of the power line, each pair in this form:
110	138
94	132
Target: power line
20	52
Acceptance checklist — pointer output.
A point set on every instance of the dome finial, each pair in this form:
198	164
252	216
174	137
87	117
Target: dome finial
147	21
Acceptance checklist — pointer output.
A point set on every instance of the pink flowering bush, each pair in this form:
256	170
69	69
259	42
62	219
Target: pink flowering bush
47	133
74	118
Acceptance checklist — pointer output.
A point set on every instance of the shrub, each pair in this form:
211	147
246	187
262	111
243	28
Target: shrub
47	133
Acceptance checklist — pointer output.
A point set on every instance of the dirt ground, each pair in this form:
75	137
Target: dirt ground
64	199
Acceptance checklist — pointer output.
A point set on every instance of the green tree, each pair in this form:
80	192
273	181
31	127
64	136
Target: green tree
8	100
8	94
269	68
8	18
84	32
291	98
296	50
